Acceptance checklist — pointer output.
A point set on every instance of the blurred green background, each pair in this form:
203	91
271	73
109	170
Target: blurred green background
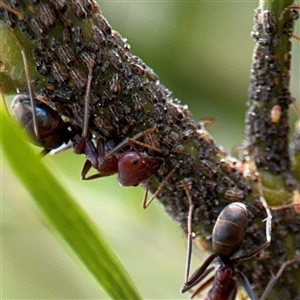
202	52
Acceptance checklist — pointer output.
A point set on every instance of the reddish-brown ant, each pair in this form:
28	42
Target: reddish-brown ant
132	167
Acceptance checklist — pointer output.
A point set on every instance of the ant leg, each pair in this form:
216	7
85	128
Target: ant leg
277	276
203	286
200	273
87	100
96	157
268	224
186	184
146	202
87	166
15	12
79	143
247	285
269	215
133	140
29	82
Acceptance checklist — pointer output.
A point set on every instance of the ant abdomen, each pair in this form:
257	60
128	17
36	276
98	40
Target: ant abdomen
51	128
230	229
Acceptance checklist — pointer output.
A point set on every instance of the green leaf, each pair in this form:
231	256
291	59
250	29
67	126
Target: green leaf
64	215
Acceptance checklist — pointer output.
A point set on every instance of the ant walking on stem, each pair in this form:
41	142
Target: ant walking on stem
227	236
133	167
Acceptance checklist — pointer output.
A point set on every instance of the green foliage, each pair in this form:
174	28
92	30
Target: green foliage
64	215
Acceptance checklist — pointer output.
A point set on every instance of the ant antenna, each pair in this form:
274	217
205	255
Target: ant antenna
87	100
15	12
147	203
267	209
186	184
29	82
133	140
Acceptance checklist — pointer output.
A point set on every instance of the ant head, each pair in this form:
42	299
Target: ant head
135	168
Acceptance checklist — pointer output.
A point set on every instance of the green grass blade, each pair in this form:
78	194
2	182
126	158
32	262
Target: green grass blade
65	215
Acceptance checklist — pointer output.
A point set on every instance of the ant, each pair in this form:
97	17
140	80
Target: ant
228	233
132	167
227	236
52	130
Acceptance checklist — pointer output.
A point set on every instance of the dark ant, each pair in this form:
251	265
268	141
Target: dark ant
227	236
132	167
52	129
228	233
42	122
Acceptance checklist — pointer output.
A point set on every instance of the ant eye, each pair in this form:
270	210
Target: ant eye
134	162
